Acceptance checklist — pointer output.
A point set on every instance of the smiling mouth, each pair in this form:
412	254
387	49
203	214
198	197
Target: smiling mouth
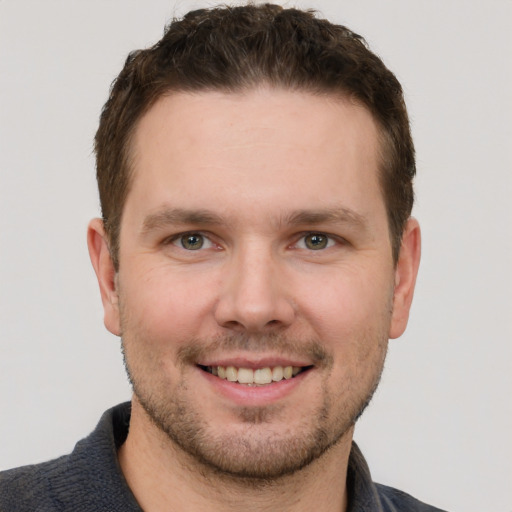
256	377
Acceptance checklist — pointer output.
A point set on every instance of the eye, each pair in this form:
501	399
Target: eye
192	241
315	242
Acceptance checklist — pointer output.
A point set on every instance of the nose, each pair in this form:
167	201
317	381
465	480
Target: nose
253	296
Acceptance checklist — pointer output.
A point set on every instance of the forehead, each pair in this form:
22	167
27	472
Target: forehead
263	145
311	118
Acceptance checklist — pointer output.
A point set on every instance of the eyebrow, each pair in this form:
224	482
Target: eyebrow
169	216
173	216
336	215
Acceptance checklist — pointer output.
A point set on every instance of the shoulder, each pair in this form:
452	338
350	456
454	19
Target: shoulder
89	476
367	495
32	487
394	500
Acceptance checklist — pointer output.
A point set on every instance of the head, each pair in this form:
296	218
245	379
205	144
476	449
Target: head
236	49
255	175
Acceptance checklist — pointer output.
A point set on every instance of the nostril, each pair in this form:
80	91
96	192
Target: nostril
233	325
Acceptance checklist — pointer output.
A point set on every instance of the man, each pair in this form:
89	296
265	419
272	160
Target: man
255	254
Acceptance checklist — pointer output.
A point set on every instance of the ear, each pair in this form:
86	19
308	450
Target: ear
405	277
105	273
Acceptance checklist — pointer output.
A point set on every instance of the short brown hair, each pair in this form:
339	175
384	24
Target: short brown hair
233	49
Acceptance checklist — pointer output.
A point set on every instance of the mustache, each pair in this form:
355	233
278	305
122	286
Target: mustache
311	349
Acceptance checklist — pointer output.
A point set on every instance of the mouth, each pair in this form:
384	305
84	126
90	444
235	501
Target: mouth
257	376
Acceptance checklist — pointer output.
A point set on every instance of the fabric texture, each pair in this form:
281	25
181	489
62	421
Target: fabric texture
90	479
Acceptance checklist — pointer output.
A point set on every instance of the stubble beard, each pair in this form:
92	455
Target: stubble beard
251	456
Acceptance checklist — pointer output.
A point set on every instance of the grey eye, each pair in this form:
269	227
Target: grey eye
316	241
192	241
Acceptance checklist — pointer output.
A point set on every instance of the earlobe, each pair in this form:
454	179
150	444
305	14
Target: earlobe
105	273
405	277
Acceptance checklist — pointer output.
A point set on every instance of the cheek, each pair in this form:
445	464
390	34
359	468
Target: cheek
351	316
347	304
165	306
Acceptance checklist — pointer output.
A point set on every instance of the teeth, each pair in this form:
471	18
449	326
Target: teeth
260	376
277	374
245	376
231	374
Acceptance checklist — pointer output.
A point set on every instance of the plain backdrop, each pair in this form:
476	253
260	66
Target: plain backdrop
440	425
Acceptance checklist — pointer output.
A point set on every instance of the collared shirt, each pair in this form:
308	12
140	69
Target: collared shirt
90	479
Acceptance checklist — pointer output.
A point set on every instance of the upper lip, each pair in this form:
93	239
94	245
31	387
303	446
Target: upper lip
254	362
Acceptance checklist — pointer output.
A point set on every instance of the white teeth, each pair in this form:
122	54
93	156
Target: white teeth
260	376
277	374
245	376
231	374
263	376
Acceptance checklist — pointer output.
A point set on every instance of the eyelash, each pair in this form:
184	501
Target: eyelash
178	239
175	240
329	240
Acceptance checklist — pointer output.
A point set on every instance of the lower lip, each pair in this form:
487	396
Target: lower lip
245	395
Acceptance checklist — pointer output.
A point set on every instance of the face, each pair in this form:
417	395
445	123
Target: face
256	290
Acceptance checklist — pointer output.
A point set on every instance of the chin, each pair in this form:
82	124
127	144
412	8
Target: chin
259	445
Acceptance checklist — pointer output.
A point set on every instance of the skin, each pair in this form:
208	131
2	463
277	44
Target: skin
241	173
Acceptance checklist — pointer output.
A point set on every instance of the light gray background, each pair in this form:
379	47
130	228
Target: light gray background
440	425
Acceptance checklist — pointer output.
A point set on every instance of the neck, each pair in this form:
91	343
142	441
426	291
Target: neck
163	477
